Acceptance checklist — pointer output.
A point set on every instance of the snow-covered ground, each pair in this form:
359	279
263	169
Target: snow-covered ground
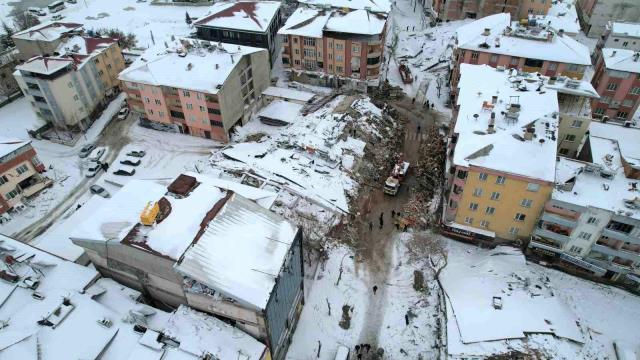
342	281
587	318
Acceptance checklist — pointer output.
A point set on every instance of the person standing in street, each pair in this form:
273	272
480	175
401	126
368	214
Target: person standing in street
375	288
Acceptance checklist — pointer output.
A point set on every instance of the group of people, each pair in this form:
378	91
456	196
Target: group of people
427	105
396	216
362	349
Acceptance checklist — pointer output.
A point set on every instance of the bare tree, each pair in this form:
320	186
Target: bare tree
429	245
24	20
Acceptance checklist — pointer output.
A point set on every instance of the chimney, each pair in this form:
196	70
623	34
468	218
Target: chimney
486	32
561	32
494	100
528	133
613	53
492	122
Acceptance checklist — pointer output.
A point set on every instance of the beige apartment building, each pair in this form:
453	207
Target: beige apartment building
67	89
474	9
43	39
347	43
197	87
20	171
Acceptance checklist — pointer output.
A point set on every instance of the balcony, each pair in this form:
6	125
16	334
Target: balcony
546	244
626	255
566	213
36	185
560	220
548	234
618	235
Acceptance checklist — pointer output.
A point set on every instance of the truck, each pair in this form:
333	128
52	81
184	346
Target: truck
392	184
405	73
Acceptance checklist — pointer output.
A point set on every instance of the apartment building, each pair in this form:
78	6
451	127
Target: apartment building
475	9
617	80
68	89
198	88
250	23
8	63
595	14
188	243
501	155
620	35
591	224
496	41
43	39
345	43
20	170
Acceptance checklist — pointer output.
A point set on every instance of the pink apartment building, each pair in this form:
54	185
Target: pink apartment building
617	81
197	88
498	42
463	9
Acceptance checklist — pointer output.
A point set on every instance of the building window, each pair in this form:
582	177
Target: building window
500	180
477	192
490	210
339	58
612	86
11	194
605	100
563	151
309	41
495	195
475	55
627	103
620	227
514	231
519	217
150	112
100	72
483	176
553	66
203	109
622	115
462	174
473	206
570	138
161	114
213	111
296	51
526	203
514	60
192	118
3	179
576	123
635	90
339	69
76	98
309	53
599	111
185	93
158	102
468	220
355	48
339	46
584	235
592	220
216	123
70	85
484	224
190	106
147	100
575	249
295	40
22	169
494	58
296	62
625	44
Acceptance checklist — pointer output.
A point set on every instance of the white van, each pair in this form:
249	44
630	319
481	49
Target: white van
342	353
36	11
56	6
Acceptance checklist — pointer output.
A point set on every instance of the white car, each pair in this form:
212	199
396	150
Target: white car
97	154
36	11
124	112
93	168
57	17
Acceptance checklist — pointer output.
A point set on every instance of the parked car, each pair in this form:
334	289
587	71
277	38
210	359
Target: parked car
124	112
72	1
86	150
97	154
93	168
57	17
100	191
36	11
125	172
130	162
137	153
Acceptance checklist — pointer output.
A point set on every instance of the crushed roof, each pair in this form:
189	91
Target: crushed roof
9	145
241	264
84	45
621	60
200	69
626	29
281	110
380	6
506	150
313	22
47	65
567	24
521	41
287	93
241	15
48	31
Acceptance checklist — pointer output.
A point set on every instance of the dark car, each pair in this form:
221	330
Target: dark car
86	150
130	162
124	172
99	190
137	154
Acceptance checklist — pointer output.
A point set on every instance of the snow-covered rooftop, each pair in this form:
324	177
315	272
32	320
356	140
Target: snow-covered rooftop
624	29
590	188
512	39
286	93
566	23
241	251
621	60
519	107
312	22
9	145
281	110
383	6
46	65
48	31
83	45
242	15
200	69
627	139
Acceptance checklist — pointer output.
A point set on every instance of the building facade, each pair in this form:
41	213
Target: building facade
620	35
8	63
595	14
474	9
217	87
43	39
327	41
67	90
20	170
496	42
616	79
250	23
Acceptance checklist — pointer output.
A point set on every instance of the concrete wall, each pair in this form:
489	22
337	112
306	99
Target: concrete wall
11	178
595	14
31	48
462	9
614	102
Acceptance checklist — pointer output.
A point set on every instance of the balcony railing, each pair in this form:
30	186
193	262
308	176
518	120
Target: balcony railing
546	245
627	255
560	220
618	235
544	233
